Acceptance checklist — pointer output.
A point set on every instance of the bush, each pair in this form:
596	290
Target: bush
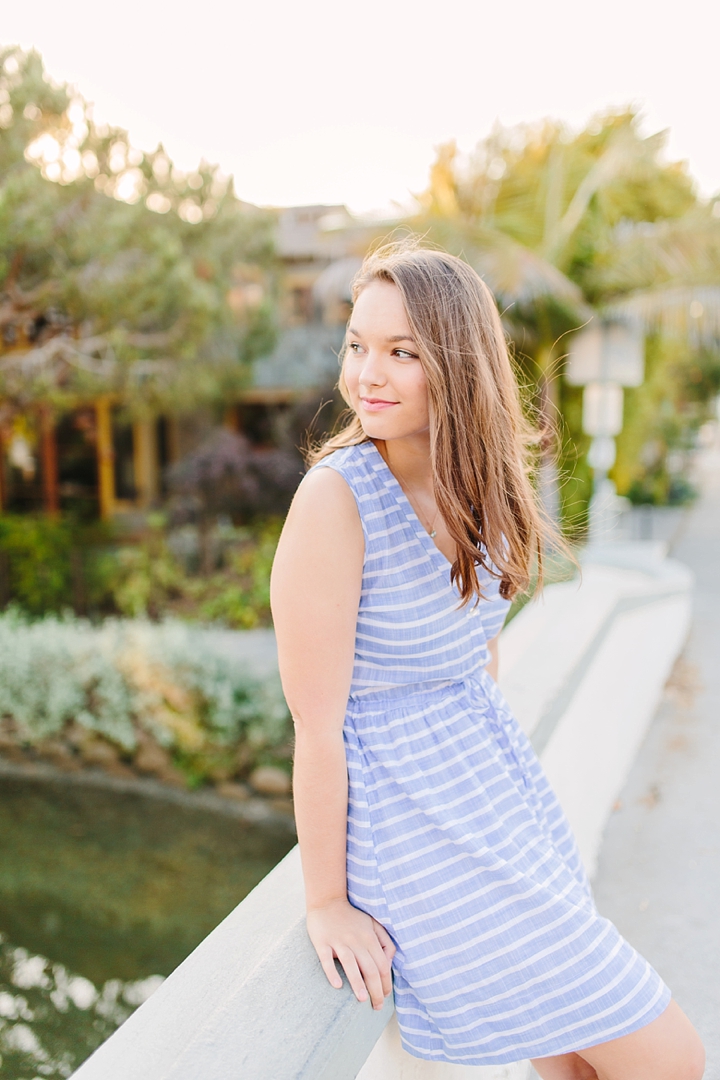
227	477
49	565
240	595
130	681
151	579
37	562
141	580
56	671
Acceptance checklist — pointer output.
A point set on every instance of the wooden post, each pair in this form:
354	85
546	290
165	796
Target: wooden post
145	453
49	462
105	457
3	494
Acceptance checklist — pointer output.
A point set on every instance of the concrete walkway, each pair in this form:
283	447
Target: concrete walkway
659	871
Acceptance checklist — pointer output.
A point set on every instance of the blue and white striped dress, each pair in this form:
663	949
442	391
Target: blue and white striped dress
456	842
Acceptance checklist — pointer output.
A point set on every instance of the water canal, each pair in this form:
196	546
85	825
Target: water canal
102	894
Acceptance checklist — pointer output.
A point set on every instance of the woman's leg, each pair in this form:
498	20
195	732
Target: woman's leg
669	1048
564	1067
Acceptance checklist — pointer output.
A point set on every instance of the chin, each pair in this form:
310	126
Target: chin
385	428
374	428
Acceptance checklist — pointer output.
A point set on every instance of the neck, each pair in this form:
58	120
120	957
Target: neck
408	459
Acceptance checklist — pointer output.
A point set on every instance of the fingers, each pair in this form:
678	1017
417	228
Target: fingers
387	943
374	979
385	971
368	975
363	948
327	960
354	975
388	952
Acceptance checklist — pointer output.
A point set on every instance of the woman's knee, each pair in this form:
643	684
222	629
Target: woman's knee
695	1061
681	1054
669	1048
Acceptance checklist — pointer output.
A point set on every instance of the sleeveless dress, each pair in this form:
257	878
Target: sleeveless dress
456	842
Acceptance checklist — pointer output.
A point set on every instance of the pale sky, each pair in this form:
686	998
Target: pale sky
319	101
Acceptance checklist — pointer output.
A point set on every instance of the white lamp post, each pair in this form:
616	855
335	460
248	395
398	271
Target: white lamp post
603	359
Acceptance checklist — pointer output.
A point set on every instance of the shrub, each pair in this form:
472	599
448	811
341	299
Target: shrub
240	596
49	565
227	476
36	556
141	580
150	579
128	680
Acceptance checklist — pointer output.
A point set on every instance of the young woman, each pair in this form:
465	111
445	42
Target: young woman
431	841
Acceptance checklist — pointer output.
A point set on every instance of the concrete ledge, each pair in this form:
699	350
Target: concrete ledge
250	1003
583	670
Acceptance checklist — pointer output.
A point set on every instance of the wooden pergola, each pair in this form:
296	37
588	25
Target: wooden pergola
51	363
146	460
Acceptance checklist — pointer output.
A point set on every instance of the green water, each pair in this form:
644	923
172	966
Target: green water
101	895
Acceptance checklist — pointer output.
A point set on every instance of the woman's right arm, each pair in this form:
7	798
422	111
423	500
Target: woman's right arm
315	593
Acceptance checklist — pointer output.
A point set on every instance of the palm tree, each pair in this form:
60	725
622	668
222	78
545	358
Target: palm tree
565	228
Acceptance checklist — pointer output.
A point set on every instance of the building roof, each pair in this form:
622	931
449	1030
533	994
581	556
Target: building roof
313	232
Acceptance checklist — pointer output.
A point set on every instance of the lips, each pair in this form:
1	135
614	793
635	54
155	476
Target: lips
376	404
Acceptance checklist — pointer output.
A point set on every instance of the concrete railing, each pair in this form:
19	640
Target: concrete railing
584	670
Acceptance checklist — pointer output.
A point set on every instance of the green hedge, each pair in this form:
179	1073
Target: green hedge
128	681
49	565
52	566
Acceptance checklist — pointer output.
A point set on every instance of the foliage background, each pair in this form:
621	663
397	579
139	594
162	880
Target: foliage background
567	227
119	272
122	275
165	697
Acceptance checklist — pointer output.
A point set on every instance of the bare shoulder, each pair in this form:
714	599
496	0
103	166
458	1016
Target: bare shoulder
324	506
316	581
322	546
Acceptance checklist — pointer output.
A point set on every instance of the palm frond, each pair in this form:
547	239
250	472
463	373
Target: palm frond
516	275
691	312
624	155
684	251
520	276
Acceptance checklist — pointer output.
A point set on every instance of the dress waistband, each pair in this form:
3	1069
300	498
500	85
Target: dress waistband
479	679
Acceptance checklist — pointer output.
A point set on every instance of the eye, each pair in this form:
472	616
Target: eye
354	347
403	354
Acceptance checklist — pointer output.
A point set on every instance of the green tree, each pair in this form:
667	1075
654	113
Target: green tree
117	271
564	227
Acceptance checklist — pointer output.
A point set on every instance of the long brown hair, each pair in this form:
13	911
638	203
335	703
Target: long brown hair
481	444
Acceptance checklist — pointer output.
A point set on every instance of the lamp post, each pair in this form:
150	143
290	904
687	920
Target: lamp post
603	359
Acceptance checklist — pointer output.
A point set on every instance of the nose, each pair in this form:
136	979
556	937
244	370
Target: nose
372	372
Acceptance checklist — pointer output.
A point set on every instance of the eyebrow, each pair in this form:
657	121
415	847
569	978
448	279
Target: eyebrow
394	338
